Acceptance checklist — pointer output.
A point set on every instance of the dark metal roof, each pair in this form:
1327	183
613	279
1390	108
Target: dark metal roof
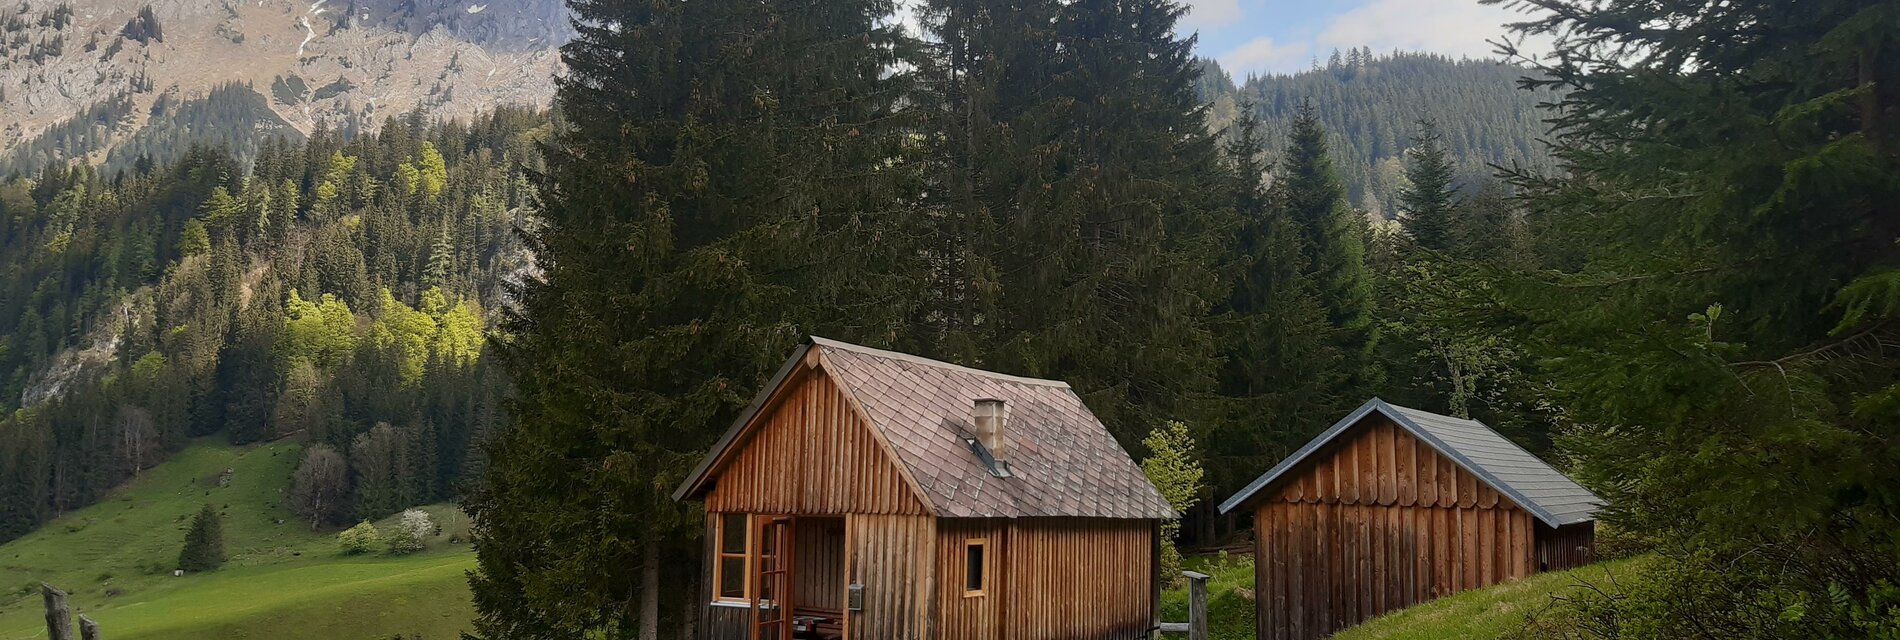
1062	461
1527	481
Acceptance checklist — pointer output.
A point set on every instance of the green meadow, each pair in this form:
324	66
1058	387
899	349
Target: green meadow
282	580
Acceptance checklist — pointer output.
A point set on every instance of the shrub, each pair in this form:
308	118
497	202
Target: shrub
358	540
1175	469
411	529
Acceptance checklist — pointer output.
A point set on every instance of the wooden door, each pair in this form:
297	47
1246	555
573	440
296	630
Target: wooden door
772	602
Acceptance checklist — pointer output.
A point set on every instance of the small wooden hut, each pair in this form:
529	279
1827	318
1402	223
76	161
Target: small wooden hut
875	495
1395	506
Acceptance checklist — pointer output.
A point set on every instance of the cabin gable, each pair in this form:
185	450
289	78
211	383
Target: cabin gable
809	451
1379	463
1376	520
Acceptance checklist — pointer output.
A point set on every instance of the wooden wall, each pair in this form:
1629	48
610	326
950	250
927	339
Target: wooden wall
893	556
1075	579
813	456
819	554
1566	547
1379	522
974	618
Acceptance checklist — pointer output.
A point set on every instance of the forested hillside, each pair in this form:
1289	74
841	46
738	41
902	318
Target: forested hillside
1372	105
339	291
1688	302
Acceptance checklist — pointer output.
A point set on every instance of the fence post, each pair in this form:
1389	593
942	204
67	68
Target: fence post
1197	605
88	630
59	618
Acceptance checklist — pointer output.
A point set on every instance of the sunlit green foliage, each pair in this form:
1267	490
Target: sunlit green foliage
322	331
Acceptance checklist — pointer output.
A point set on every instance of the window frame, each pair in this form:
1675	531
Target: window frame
983	567
720	555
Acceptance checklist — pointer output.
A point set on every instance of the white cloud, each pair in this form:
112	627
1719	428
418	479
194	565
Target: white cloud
1450	27
1263	54
1209	13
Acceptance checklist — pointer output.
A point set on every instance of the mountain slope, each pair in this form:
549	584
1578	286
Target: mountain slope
1371	105
282	580
342	65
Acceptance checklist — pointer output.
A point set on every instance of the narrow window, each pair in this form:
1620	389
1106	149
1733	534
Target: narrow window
735	546
975	565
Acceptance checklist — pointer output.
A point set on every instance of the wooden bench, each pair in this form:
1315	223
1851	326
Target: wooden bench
818	624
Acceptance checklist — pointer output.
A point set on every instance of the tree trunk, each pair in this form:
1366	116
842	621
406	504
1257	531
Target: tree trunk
649	589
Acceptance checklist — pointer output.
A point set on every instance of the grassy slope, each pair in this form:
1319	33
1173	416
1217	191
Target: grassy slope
1480	613
1491	612
282	580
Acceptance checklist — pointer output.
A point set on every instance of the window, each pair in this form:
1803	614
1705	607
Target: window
732	570
975	566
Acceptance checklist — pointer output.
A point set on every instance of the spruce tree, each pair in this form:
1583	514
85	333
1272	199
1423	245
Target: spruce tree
1428	201
1081	164
204	542
720	182
1278	375
989	124
1333	241
1720	329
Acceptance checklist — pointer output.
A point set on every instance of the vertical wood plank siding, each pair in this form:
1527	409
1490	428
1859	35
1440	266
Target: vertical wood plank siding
1076	579
976	617
1380	523
819	555
893	556
1566	547
813	456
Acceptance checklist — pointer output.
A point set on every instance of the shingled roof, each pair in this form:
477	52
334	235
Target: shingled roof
1062	461
1527	481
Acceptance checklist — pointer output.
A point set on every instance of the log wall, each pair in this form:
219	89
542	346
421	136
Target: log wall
813	456
1379	522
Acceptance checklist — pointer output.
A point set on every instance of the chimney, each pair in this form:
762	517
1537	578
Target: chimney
990	418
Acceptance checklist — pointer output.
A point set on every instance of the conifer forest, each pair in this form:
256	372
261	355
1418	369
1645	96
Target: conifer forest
1655	243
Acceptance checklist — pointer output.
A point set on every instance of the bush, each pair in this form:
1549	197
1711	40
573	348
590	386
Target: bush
358	540
1700	595
411	529
1616	543
1175	469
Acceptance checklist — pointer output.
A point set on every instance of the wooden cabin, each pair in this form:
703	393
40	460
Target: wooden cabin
875	495
1395	506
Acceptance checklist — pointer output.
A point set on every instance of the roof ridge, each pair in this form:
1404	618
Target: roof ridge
916	359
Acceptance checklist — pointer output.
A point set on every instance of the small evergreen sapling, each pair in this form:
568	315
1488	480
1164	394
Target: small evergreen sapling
204	543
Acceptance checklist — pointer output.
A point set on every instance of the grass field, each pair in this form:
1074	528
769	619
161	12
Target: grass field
282	580
1492	612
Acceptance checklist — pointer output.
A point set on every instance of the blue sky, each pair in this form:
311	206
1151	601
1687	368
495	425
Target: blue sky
1283	36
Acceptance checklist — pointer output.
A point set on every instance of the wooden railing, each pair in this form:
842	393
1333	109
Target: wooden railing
1196	626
